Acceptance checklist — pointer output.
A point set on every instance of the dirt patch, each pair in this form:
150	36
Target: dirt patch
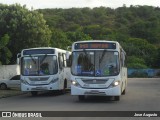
10	92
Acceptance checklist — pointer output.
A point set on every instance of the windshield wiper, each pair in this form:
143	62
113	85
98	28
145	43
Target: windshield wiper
85	52
90	65
33	59
43	58
103	54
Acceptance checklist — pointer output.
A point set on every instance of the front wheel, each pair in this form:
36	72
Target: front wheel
81	97
34	93
124	92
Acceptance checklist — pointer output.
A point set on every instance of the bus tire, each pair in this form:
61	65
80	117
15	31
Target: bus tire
116	98
34	93
63	91
124	92
81	97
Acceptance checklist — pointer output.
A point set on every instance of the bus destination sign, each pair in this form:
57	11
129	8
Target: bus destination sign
38	51
95	45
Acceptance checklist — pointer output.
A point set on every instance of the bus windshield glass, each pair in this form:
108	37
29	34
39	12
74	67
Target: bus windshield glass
98	63
39	65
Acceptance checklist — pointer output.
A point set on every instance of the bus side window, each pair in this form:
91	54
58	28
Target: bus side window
60	60
69	61
64	60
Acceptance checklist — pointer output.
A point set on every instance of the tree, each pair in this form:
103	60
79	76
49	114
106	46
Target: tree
156	63
77	36
146	29
59	39
5	53
141	49
93	30
137	63
25	28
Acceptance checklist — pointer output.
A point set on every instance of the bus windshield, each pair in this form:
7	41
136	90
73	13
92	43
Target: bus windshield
98	63
39	65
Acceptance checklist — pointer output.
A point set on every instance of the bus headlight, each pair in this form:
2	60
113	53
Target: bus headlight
114	83
75	83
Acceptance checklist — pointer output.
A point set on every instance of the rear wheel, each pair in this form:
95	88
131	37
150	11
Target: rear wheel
3	86
81	97
34	93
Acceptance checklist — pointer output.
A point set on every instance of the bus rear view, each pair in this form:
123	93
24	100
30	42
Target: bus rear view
98	68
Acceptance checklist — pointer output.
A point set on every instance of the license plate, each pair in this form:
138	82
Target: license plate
41	88
94	91
101	85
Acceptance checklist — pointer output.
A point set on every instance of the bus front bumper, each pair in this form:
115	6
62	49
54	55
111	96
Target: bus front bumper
25	87
114	91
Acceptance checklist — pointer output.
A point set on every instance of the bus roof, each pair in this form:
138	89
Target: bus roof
44	48
97	41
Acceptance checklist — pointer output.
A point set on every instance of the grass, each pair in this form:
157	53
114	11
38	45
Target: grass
10	92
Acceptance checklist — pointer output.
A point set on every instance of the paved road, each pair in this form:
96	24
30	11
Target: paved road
141	95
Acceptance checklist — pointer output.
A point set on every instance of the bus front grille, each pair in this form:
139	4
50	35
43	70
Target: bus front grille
39	79
95	81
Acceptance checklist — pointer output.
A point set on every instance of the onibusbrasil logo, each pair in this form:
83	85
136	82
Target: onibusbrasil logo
21	114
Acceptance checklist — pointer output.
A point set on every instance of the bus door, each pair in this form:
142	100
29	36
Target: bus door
123	69
61	70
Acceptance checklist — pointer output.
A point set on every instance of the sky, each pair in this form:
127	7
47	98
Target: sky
40	4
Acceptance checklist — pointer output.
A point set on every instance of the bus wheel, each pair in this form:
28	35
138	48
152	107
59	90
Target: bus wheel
81	97
116	98
34	93
63	91
124	92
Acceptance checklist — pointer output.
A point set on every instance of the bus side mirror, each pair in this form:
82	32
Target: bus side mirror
67	55
18	58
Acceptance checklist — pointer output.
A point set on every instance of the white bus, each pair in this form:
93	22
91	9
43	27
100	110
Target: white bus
44	69
98	68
